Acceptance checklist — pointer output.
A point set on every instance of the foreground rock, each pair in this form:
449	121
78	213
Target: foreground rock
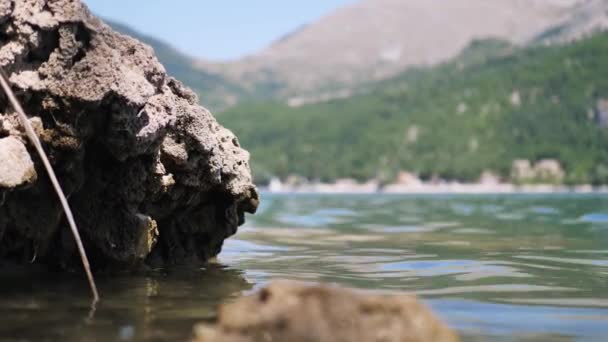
150	174
291	311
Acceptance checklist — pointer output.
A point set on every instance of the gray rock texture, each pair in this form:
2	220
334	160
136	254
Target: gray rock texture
150	174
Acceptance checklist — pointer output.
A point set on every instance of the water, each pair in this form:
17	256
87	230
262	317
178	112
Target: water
508	267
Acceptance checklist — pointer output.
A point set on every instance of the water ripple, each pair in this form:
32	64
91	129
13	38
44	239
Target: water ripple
509	256
603	263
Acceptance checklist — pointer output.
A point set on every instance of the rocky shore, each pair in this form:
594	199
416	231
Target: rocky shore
150	174
446	188
351	186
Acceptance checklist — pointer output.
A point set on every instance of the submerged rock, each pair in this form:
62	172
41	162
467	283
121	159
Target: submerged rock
297	312
150	174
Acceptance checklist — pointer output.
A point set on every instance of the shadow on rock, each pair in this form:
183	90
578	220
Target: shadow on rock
152	177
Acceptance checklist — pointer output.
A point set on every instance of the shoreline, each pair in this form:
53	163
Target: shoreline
421	189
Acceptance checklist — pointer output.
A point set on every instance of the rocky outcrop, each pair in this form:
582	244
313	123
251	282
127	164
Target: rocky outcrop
150	174
548	171
372	40
292	311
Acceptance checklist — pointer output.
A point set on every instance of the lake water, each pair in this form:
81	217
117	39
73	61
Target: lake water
496	268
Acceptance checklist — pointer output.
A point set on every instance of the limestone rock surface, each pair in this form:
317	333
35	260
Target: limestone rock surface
150	174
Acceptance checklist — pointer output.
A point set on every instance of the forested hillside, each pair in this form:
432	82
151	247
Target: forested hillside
492	105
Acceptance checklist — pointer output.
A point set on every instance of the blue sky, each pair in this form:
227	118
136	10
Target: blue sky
215	29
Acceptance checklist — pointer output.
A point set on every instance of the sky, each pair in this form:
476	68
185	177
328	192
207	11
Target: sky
215	29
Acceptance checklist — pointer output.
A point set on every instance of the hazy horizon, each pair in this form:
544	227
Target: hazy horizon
226	30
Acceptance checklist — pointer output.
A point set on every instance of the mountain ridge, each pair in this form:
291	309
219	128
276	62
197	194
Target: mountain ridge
369	41
373	40
544	98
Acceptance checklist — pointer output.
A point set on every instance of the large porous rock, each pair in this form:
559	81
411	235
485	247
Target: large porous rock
298	312
150	174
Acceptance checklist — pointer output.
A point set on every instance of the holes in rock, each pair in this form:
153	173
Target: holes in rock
282	324
49	41
9	14
7	30
47	8
3	134
84	37
4	37
264	295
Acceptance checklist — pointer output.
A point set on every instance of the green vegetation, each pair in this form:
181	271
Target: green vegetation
490	106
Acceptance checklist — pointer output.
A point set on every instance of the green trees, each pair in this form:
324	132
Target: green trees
490	106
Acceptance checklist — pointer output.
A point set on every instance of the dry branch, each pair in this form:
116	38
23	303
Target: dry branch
29	130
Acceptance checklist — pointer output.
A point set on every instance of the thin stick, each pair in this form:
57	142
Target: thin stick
29	130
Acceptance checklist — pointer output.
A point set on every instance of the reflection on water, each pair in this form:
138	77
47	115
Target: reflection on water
510	267
156	306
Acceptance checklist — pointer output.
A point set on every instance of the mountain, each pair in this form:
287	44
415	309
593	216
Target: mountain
373	40
340	54
585	18
214	90
490	106
389	85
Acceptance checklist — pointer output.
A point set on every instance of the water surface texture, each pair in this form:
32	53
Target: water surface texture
497	268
